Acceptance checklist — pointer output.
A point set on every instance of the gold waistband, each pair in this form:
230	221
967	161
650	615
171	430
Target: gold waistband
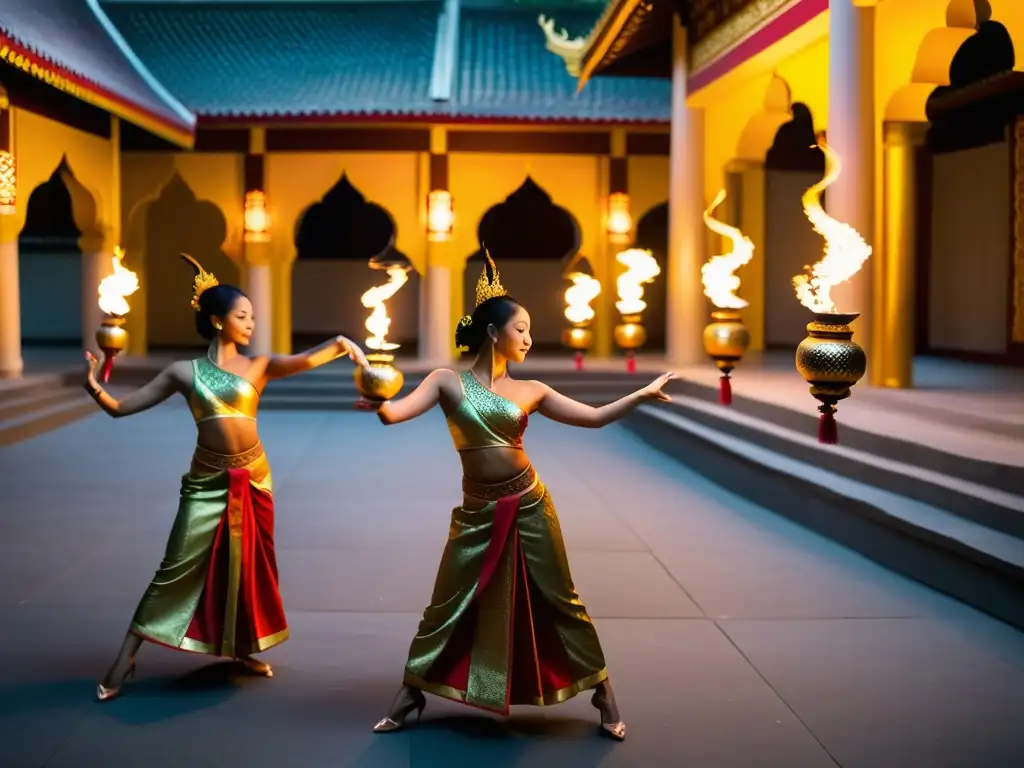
492	492
223	461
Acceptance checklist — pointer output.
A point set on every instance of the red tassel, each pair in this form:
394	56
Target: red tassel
579	361
725	390
630	362
828	429
108	366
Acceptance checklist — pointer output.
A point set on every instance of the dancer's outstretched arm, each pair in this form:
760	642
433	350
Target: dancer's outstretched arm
282	366
420	400
170	380
565	410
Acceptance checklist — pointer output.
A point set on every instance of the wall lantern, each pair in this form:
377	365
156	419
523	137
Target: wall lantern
619	222
440	214
8	183
257	220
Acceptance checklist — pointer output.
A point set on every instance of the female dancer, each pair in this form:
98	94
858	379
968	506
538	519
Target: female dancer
216	591
505	625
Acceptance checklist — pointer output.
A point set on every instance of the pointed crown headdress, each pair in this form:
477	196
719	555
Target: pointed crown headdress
489	286
203	280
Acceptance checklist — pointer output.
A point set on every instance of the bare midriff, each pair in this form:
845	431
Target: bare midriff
227	436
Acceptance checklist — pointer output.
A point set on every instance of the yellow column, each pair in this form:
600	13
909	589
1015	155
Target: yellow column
895	260
851	132
685	304
441	298
746	187
257	252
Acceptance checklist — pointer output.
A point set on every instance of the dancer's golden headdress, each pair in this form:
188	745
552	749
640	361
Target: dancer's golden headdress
487	287
203	280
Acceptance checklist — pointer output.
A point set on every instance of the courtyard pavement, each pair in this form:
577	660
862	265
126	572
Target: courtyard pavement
734	637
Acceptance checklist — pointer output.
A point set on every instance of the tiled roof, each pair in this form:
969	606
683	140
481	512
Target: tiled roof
372	58
70	37
505	71
260	59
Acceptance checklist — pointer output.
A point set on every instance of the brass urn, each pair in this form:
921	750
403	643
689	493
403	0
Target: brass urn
380	380
579	338
630	336
726	340
831	362
112	339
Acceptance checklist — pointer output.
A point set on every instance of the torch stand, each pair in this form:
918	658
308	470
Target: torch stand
112	339
630	336
579	338
726	340
831	362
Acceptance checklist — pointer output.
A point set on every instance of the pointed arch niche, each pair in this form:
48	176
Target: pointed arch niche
50	264
530	238
336	240
178	222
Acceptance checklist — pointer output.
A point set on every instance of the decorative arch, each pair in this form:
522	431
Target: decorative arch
934	59
986	53
793	148
343	226
50	262
177	222
529	225
760	131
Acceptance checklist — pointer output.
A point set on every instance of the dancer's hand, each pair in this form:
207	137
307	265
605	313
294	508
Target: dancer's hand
362	404
352	349
653	391
91	385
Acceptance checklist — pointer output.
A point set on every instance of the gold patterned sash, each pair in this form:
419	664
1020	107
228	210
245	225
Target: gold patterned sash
494	491
223	461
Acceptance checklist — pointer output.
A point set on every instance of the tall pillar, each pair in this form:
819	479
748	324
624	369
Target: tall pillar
684	311
11	363
436	342
606	315
257	251
851	132
895	260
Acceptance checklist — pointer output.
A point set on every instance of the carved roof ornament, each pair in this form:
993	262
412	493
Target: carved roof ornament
569	51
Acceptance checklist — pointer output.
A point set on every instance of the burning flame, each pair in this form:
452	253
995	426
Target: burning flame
720	284
640	268
378	322
113	288
584	289
845	249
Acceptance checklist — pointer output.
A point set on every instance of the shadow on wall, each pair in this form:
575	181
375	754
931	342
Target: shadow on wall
793	164
335	240
179	223
50	265
530	239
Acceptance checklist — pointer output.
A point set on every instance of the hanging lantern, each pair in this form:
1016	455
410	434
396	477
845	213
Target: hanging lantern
8	183
257	219
619	222
440	215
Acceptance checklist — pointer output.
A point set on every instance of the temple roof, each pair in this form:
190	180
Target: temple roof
631	38
372	60
71	45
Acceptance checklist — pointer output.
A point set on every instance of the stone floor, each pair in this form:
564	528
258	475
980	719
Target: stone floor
734	637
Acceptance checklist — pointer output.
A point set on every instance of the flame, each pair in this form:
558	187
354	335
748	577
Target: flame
584	289
640	268
720	282
114	287
378	322
845	250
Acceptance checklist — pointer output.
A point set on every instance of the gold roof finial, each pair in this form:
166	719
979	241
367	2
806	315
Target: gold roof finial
488	287
202	281
568	50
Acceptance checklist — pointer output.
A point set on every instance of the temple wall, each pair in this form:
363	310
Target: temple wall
970	259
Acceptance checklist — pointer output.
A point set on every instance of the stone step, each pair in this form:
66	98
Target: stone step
853	498
26	402
74	406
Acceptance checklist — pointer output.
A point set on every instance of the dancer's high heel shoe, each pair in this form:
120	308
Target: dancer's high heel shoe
256	666
396	720
614	729
106	694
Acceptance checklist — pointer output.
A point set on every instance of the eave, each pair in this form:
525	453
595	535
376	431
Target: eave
629	40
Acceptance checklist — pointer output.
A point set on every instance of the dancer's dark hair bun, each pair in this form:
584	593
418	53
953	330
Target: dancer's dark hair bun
496	311
217	301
